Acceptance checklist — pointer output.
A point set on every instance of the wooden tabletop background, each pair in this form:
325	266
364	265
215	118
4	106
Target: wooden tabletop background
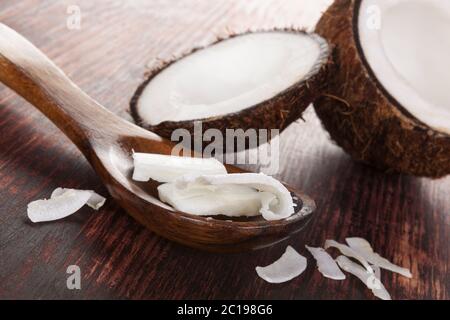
405	218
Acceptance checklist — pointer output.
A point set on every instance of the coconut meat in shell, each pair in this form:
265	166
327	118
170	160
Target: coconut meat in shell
229	76
406	44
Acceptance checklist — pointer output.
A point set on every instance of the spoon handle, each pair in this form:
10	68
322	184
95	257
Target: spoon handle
29	72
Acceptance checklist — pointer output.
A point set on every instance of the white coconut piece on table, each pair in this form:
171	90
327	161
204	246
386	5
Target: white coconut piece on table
290	265
167	168
363	247
368	278
96	201
376	271
326	264
349	252
245	193
62	203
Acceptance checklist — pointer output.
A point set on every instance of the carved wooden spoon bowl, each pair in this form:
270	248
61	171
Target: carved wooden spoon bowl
107	141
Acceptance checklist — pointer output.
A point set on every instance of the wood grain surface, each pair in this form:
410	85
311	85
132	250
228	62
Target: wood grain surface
405	218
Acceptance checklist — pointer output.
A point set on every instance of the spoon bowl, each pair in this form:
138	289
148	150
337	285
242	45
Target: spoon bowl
108	141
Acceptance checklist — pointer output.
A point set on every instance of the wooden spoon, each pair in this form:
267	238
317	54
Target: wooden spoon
107	142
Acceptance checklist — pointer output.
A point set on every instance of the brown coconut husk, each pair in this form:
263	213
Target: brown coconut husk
276	113
360	114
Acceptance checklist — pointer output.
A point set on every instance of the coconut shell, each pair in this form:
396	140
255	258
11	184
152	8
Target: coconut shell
276	113
360	114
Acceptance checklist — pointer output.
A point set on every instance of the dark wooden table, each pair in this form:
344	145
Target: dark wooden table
405	218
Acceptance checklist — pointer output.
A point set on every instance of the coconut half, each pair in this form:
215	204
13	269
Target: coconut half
260	80
388	104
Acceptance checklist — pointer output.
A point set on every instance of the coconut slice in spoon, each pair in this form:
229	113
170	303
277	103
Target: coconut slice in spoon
239	194
388	103
166	168
260	80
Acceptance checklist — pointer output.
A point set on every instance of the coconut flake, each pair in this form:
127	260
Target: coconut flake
376	271
290	265
349	252
326	264
231	194
363	247
96	201
165	168
368	278
63	203
229	200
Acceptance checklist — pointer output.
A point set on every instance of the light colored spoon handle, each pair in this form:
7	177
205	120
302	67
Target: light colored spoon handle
29	72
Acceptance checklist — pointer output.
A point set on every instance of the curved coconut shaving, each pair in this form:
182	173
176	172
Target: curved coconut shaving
62	203
290	265
326	264
364	248
229	76
376	271
368	278
206	200
408	49
95	201
349	252
217	192
165	168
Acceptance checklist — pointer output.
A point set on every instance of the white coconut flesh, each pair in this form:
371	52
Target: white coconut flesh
368	278
407	45
364	248
246	194
95	201
290	265
349	252
229	76
165	168
62	203
326	264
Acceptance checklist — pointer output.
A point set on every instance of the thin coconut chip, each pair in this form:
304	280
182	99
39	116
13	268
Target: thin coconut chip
363	248
63	203
368	278
326	264
349	252
290	265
